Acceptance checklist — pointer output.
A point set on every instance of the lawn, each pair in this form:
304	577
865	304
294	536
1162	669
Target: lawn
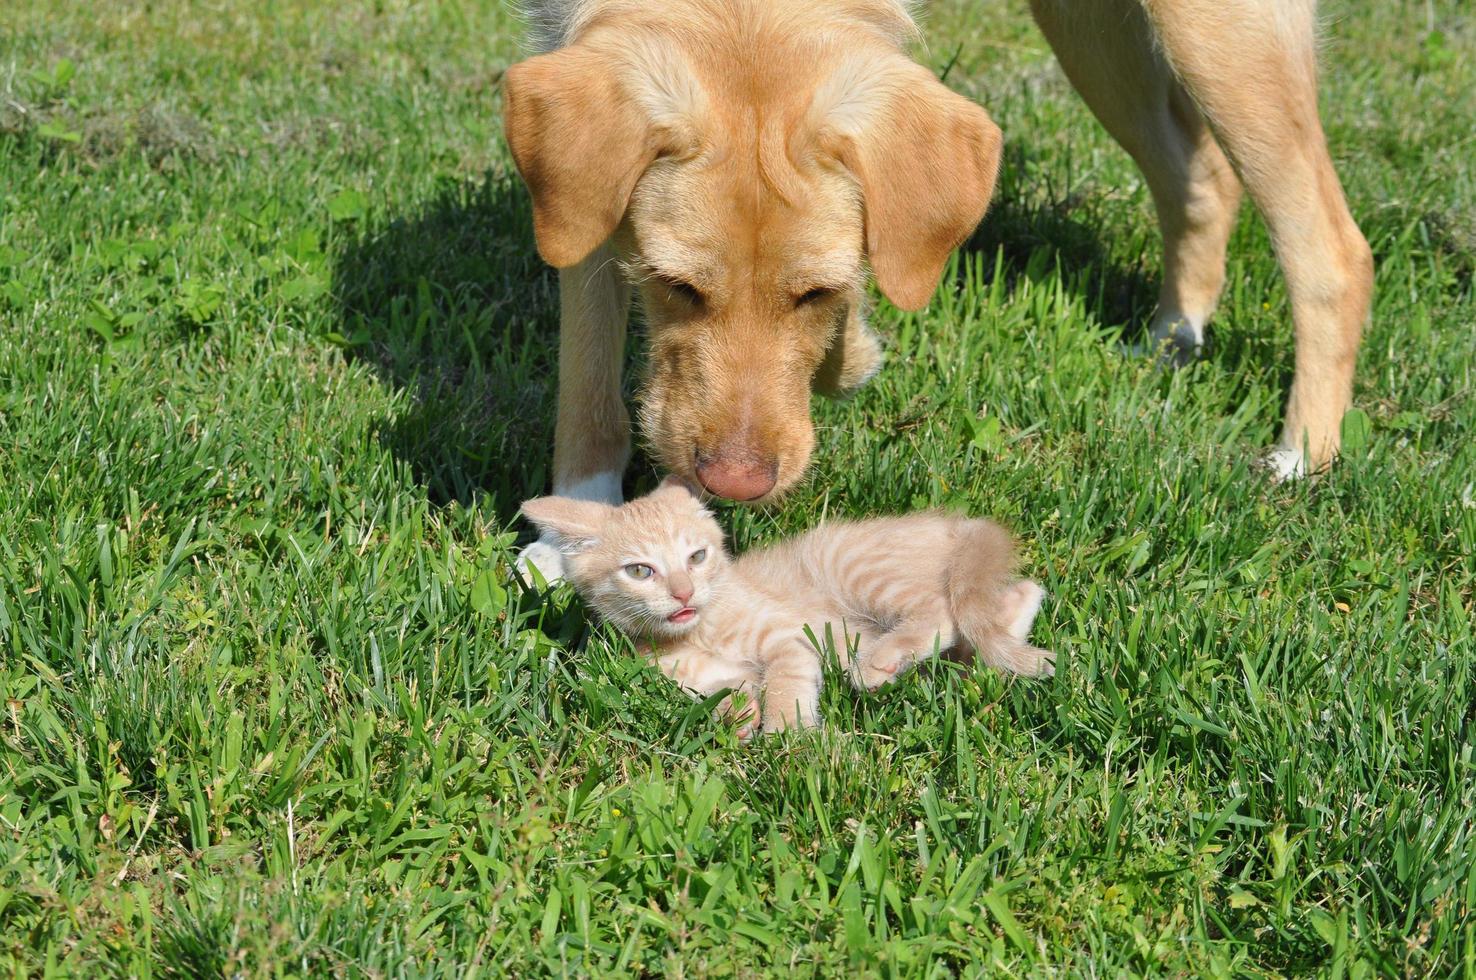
277	365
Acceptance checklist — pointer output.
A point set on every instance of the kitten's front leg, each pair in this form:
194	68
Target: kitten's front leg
702	675
792	681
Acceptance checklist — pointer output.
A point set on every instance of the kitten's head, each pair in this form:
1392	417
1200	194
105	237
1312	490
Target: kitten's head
649	566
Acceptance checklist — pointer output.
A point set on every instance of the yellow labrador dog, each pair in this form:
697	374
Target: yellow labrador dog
742	163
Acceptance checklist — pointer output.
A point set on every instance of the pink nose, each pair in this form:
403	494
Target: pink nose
742	474
682	594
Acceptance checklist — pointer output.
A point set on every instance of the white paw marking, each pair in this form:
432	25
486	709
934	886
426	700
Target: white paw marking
546	558
1175	339
1286	464
1180	328
602	488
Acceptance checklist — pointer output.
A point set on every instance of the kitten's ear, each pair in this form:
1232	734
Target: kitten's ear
574	524
682	492
675	482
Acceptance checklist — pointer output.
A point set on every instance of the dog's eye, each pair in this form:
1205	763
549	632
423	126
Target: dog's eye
698	556
814	295
640	572
683	290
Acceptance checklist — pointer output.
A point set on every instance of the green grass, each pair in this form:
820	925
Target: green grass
276	366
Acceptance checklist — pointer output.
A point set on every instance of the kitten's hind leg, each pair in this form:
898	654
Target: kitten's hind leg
1009	648
888	656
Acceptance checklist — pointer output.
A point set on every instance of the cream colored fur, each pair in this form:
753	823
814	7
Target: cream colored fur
1209	96
888	592
743	163
731	157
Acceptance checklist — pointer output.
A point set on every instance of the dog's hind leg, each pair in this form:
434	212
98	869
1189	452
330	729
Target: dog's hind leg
1187	85
1106	48
1251	67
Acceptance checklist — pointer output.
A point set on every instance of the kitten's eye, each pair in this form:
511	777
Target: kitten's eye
639	571
814	296
698	557
683	290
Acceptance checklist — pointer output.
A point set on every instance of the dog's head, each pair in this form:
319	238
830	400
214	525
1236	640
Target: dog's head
747	171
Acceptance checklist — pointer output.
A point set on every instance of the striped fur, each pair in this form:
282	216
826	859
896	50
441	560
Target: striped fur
888	592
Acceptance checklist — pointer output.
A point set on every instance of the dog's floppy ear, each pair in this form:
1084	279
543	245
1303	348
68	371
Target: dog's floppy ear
580	142
574	524
926	159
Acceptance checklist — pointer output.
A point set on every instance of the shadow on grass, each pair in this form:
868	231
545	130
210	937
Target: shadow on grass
1036	233
453	307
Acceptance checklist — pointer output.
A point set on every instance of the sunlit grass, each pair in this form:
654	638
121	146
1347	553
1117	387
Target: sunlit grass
277	364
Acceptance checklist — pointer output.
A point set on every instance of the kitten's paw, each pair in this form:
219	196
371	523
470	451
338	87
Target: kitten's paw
1041	663
780	724
796	717
1027	661
745	717
546	558
879	671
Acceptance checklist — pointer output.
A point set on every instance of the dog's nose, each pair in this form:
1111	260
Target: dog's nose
737	475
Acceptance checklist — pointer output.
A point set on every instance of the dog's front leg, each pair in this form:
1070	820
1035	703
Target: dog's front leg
854	356
592	433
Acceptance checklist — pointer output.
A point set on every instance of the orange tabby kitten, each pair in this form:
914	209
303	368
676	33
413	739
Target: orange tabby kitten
890	590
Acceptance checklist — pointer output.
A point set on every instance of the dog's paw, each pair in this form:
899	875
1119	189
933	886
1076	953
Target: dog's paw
546	558
1284	464
1175	340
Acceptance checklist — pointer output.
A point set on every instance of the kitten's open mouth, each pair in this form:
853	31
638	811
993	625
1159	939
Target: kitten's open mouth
682	616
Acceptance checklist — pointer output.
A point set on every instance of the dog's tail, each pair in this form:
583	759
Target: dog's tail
993	609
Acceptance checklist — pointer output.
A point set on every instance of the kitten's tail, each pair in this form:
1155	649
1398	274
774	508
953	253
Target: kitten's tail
993	609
